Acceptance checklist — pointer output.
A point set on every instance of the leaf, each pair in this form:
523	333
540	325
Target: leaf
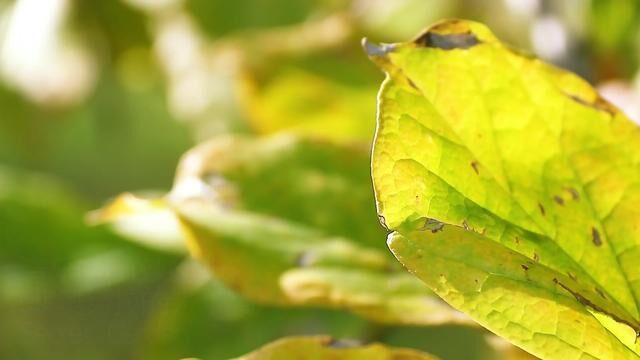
330	96
146	220
324	347
284	220
512	191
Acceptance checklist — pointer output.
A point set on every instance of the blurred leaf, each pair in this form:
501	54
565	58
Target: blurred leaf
328	96
147	221
199	317
535	177
324	347
316	243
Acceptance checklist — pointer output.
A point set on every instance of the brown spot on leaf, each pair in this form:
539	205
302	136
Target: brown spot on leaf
541	209
465	225
558	200
574	193
599	104
412	84
433	39
588	303
432	225
536	257
595	235
524	267
474	165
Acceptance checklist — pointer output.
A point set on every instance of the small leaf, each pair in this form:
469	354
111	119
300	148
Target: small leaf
146	220
324	347
534	179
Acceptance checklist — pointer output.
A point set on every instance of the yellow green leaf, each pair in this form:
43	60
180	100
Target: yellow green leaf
512	190
287	220
324	347
283	220
330	97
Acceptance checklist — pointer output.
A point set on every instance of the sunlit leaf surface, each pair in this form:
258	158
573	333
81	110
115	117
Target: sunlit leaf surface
512	189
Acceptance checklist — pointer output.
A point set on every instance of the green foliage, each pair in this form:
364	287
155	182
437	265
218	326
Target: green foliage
535	177
276	203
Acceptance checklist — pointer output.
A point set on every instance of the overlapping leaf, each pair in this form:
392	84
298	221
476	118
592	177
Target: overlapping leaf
512	188
289	221
285	220
324	347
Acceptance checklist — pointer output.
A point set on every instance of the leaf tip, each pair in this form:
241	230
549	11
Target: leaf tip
375	50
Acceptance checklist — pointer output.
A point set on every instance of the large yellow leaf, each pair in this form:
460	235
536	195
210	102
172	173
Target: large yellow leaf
513	191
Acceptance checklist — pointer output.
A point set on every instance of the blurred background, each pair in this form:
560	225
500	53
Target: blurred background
102	97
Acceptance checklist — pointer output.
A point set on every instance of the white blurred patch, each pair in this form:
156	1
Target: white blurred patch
37	59
624	96
549	38
523	7
153	5
201	86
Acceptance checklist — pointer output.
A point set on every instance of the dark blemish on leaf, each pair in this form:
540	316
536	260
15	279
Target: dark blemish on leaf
383	221
343	344
558	200
524	267
432	39
412	84
536	257
555	281
476	280
598	104
574	193
601	293
517	240
465	225
597	241
541	209
586	302
572	276
474	165
432	225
